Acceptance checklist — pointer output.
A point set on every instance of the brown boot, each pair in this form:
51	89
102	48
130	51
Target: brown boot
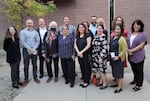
25	83
37	81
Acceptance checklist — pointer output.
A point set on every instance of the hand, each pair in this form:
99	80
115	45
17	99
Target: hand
73	57
44	55
129	52
116	58
80	54
30	51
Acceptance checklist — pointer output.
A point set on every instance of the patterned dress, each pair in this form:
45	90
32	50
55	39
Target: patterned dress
99	50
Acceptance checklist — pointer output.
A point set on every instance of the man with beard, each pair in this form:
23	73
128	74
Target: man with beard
93	25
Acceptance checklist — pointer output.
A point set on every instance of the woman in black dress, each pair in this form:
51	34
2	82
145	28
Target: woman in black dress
82	47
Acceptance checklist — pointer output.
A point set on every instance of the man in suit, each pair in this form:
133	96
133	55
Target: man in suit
42	29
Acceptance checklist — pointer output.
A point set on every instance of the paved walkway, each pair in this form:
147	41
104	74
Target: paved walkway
61	92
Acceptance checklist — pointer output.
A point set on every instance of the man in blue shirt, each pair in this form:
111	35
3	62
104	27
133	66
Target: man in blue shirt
66	21
30	41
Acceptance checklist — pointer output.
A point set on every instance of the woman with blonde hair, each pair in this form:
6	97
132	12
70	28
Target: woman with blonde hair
50	50
100	21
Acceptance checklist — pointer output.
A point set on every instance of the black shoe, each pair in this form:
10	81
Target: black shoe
15	85
20	83
115	85
100	84
67	82
41	76
71	85
103	87
132	83
118	90
81	84
136	88
49	79
56	79
85	85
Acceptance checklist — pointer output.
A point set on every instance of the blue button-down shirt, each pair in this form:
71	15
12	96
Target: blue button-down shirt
29	38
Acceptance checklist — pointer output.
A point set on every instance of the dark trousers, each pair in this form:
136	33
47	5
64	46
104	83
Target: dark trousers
137	69
68	66
15	72
27	58
41	63
49	66
85	68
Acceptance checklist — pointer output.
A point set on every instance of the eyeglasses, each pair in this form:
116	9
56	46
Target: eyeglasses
64	29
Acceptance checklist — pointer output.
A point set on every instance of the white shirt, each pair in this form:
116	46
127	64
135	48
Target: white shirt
93	29
42	32
132	39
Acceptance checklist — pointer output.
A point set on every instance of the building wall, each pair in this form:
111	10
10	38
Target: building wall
79	10
134	9
84	9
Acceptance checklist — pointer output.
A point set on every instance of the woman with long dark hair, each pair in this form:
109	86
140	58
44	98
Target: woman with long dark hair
82	47
136	40
11	46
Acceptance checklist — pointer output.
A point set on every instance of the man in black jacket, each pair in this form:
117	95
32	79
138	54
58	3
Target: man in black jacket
42	29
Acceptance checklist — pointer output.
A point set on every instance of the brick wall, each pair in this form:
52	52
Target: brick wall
84	9
134	9
79	10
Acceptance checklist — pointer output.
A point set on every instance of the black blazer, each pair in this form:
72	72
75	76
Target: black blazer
40	45
12	49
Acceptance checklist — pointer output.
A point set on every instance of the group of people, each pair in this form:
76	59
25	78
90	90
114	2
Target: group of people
89	42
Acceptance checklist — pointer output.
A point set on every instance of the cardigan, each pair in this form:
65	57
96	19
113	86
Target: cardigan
122	48
139	55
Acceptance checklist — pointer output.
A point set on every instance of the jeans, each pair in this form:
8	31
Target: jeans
26	58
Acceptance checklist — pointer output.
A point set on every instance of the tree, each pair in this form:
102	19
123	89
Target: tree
45	2
18	10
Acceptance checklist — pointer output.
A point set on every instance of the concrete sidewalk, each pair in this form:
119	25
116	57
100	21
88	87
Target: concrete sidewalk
61	92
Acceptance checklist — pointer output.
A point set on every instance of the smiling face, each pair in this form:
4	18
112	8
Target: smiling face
12	31
118	20
136	27
81	29
65	30
42	22
29	23
117	30
66	20
100	29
